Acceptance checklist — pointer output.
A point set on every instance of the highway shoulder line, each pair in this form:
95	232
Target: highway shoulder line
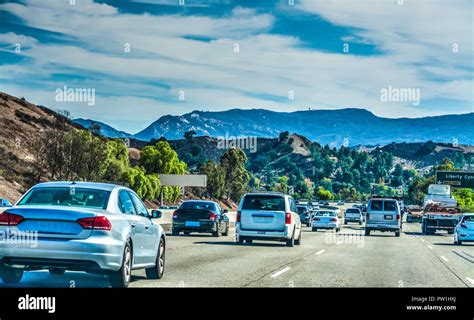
444	258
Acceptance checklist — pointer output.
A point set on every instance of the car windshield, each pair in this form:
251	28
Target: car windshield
198	205
67	196
263	202
325	214
468	218
352	211
301	209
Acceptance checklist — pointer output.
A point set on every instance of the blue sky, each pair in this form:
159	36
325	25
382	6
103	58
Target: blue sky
289	57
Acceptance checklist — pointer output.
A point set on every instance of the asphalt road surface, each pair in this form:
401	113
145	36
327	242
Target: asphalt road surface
325	259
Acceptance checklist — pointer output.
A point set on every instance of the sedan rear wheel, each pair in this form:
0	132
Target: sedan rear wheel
121	278
159	269
11	275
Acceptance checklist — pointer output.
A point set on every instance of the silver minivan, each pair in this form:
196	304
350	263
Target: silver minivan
268	216
383	214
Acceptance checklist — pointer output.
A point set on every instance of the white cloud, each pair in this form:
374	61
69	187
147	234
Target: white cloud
215	77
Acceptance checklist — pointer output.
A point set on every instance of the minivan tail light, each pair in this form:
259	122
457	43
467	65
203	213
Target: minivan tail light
398	217
288	218
237	217
366	216
95	223
212	216
10	219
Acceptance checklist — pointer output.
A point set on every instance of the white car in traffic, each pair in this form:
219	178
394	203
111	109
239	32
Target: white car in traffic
325	219
268	216
353	215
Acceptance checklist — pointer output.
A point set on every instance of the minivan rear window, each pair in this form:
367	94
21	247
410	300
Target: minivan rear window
264	202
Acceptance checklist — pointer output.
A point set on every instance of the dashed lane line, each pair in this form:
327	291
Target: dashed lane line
279	273
320	252
444	258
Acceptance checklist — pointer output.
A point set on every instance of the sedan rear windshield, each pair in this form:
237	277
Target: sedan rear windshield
325	214
266	203
198	205
302	209
65	196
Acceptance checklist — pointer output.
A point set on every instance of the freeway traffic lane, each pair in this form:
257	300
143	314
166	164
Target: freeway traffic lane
459	259
324	259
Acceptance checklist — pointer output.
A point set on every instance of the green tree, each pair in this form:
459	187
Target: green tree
215	178
236	176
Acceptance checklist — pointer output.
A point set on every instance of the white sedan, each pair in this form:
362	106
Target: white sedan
325	219
464	231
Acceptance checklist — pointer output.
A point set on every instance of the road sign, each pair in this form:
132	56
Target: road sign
184	180
457	179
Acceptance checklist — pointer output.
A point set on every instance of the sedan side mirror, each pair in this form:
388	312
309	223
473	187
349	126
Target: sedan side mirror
155	214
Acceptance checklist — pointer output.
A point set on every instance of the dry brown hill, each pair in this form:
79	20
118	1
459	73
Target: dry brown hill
21	123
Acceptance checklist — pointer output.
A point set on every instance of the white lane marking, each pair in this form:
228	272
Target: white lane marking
422	240
430	247
444	258
279	273
320	252
470	280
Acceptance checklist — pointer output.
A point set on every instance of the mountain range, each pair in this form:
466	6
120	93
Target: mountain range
349	126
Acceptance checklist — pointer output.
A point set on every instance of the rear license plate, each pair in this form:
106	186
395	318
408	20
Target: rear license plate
388	217
192	224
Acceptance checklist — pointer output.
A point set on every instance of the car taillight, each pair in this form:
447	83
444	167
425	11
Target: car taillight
315	219
175	214
95	223
366	216
398	217
10	219
237	217
288	218
334	220
212	216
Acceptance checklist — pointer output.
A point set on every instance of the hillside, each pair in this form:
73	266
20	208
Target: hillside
21	123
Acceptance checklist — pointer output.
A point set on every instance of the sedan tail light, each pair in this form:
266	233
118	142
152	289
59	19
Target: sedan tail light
288	218
334	220
212	216
237	217
175	214
315	219
10	219
95	223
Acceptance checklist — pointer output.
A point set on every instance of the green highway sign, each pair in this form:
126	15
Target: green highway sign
457	179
